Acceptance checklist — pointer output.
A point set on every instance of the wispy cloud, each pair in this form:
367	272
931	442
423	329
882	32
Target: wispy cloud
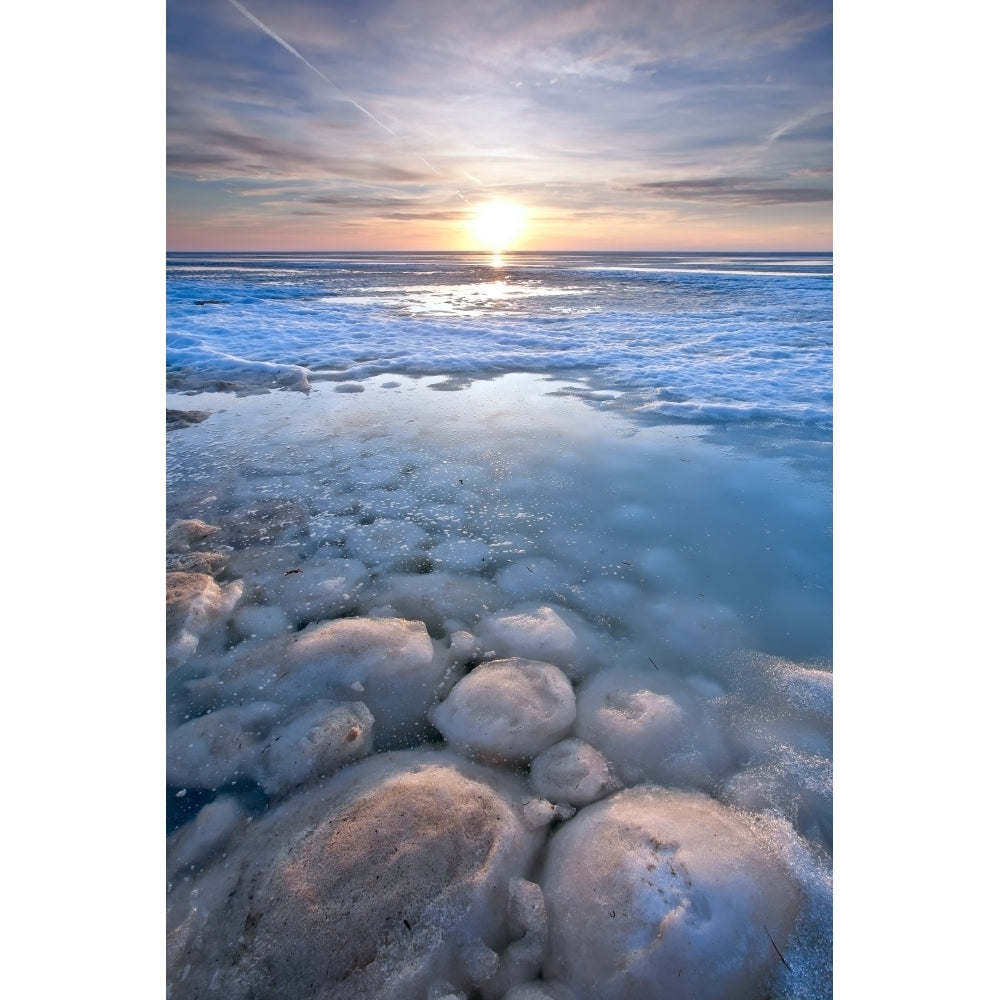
298	55
736	191
582	109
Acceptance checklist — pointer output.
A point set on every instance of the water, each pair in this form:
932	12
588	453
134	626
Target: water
616	463
695	337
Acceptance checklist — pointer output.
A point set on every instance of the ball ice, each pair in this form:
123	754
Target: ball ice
401	872
656	893
507	710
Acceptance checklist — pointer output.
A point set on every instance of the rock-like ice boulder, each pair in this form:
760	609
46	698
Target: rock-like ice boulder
654	893
388	663
654	731
196	604
507	710
194	843
184	535
572	771
217	747
313	745
398	875
537	635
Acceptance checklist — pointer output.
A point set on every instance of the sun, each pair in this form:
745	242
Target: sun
497	224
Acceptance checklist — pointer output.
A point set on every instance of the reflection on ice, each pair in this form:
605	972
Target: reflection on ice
471	686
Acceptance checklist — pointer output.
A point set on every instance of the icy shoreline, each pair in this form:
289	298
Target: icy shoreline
637	609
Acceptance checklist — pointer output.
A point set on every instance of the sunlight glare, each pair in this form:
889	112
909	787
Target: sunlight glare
497	224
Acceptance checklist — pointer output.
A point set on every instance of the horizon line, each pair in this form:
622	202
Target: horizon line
494	253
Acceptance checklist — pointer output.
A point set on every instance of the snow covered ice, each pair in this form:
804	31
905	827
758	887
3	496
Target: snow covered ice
519	690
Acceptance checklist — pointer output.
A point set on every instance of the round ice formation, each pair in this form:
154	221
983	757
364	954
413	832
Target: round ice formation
319	588
399	873
266	521
654	893
217	747
314	745
439	597
260	621
572	771
195	605
387	543
388	663
507	710
464	555
183	535
191	846
539	635
647	734
531	576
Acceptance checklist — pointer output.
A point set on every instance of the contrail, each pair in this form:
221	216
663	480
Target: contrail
298	55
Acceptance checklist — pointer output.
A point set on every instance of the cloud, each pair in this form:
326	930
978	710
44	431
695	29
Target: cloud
552	100
735	191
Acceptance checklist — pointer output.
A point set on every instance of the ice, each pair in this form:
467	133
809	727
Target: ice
572	771
413	863
537	635
314	745
196	605
719	342
465	555
653	887
260	621
651	729
181	535
196	843
533	577
507	710
318	588
392	658
445	601
388	544
372	569
218	747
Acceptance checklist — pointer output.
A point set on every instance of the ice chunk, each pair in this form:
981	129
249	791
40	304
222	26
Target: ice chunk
260	621
403	862
533	577
650	887
213	749
196	604
507	710
314	745
388	544
654	731
267	521
319	588
538	635
523	959
440	599
572	771
196	842
393	660
183	535
464	555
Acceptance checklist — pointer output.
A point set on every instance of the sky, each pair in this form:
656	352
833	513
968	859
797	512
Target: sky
601	124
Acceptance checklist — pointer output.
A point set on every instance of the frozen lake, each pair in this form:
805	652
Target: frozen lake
676	577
